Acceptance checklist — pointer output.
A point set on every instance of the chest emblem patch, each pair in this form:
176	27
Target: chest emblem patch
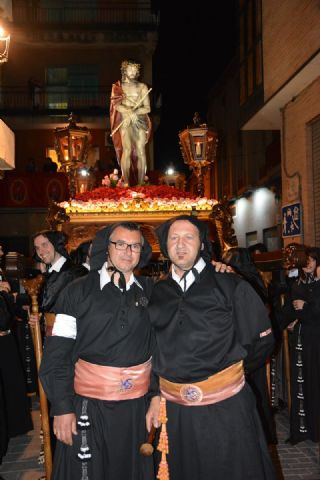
143	301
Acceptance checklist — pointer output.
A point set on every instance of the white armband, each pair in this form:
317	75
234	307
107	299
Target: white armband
65	326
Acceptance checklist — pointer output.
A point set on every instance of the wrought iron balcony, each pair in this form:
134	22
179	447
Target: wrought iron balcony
115	14
53	99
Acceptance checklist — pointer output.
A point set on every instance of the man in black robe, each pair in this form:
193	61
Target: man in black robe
15	416
210	330
58	269
96	365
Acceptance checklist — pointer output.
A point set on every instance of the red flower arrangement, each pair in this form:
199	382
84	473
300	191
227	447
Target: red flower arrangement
145	191
143	198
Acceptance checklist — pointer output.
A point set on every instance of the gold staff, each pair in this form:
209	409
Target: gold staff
286	359
32	287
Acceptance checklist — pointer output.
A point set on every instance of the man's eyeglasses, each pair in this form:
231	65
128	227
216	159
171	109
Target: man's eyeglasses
120	245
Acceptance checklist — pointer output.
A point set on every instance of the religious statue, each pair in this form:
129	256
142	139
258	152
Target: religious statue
130	122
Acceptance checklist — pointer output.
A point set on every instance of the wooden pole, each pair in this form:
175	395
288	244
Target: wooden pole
267	279
147	449
268	374
32	287
286	360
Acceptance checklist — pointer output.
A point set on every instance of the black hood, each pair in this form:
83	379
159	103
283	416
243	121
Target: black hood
100	243
163	230
57	239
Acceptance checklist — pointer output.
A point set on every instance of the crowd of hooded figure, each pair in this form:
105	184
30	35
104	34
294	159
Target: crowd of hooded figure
300	314
15	416
18	374
186	355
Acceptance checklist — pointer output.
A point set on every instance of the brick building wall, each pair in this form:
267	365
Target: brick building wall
297	158
291	35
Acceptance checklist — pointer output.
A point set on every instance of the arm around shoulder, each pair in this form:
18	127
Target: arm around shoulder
253	326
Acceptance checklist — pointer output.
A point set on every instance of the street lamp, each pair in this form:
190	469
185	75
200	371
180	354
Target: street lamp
72	144
173	178
4	45
199	146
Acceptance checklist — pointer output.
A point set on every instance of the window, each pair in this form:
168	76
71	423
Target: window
57	81
251	238
72	86
250	48
272	238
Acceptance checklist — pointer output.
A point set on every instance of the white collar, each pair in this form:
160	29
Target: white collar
190	278
294	272
105	278
56	267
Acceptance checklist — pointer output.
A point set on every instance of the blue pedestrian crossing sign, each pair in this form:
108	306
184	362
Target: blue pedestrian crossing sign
291	220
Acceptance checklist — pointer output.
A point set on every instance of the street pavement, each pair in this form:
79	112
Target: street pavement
21	461
298	462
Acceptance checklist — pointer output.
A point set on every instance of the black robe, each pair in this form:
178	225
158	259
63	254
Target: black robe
214	324
55	282
304	345
15	416
23	335
113	329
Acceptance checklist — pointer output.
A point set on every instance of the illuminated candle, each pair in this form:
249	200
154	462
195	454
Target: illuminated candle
198	149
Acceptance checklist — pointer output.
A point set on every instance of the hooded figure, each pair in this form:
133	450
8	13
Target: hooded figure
240	260
57	276
81	255
209	327
163	230
96	366
101	241
57	239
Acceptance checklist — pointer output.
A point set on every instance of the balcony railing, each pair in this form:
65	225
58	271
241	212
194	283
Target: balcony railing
20	99
121	13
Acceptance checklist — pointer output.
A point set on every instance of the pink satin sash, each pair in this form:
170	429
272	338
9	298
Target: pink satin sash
218	387
111	383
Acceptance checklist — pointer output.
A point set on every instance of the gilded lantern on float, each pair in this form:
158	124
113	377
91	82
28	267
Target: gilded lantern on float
6	135
199	147
4	45
72	145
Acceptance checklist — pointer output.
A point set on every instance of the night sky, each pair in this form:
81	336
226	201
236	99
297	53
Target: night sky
194	47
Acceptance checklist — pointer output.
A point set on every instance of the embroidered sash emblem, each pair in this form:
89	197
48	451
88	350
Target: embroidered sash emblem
126	384
191	393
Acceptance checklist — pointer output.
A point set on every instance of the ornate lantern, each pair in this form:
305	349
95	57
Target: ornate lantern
199	146
72	146
4	45
6	145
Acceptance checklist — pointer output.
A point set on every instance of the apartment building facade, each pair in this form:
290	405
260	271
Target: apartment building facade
266	107
64	56
288	100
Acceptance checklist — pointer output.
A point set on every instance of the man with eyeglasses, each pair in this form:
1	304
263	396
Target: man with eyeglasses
96	366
